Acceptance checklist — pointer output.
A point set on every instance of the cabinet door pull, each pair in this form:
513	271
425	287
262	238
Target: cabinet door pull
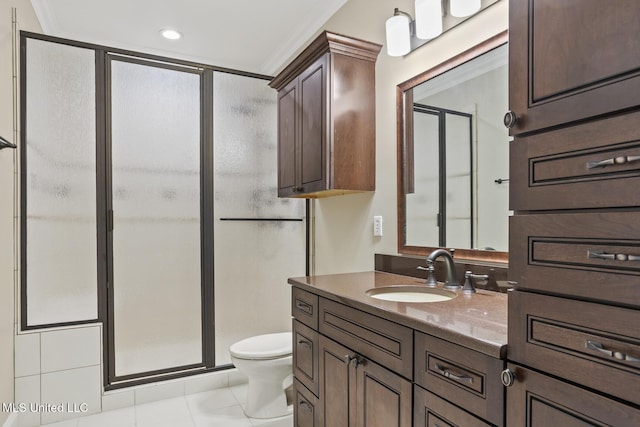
613	257
448	374
304	307
305	406
620	160
592	345
357	360
305	343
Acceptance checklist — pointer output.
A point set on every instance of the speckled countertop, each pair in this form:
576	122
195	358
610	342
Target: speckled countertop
477	321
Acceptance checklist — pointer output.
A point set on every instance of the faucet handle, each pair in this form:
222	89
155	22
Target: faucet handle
468	287
431	277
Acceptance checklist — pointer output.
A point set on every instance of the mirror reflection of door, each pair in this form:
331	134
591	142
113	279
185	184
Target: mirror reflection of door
455	156
441	198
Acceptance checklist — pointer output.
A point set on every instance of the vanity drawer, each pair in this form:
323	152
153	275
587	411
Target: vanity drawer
537	400
593	255
430	410
588	343
591	165
304	307
386	343
306	410
462	376
305	355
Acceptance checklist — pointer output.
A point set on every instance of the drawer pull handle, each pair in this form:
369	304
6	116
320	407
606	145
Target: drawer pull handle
304	307
613	257
447	374
305	406
305	343
621	160
591	345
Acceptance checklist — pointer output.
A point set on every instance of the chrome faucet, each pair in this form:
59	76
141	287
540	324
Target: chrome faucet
451	282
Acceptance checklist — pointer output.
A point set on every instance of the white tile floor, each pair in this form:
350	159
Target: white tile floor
216	408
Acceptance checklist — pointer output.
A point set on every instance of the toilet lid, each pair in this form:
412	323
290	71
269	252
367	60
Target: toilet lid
269	346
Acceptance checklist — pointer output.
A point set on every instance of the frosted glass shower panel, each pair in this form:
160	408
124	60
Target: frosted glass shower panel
245	150
255	251
155	128
423	204
458	196
60	149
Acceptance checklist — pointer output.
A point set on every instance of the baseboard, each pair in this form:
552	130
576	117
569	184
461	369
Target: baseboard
12	421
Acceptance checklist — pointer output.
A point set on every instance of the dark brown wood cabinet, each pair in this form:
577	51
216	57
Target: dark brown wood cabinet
337	380
464	377
355	391
306	409
572	60
537	400
433	411
574	245
326	119
356	368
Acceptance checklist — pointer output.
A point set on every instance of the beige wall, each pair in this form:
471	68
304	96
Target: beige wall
344	235
27	21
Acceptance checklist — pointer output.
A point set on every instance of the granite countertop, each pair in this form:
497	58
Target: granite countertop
477	321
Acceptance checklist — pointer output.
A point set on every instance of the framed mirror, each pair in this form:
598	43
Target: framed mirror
453	156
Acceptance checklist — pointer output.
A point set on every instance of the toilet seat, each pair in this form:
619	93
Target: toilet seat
263	347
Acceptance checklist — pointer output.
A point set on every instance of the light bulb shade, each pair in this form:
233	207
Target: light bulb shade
398	35
462	8
428	19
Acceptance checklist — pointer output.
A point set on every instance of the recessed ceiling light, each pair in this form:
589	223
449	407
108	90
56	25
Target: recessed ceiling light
171	34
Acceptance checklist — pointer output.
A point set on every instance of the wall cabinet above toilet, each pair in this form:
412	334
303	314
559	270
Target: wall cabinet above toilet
326	119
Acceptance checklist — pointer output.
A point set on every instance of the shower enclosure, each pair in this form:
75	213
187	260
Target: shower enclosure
160	177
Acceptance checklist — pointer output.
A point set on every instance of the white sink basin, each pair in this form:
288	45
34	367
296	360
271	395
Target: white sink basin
411	294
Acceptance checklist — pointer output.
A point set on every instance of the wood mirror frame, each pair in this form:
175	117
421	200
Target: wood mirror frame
403	248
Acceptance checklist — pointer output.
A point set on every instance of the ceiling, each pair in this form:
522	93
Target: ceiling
256	36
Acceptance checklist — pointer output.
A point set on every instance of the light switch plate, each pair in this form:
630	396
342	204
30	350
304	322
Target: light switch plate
377	225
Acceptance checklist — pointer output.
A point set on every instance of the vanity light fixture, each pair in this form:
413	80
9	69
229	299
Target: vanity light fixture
428	19
171	34
462	8
6	144
398	29
405	34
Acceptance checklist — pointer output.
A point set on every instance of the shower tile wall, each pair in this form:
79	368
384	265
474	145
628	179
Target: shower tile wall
59	366
64	366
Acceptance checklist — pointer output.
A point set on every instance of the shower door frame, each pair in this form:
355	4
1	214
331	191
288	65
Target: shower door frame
441	114
103	205
112	380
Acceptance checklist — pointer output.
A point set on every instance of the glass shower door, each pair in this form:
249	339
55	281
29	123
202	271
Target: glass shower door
155	288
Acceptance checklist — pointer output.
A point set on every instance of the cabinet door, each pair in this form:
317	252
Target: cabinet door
337	384
535	400
572	60
383	398
305	410
312	156
305	356
287	137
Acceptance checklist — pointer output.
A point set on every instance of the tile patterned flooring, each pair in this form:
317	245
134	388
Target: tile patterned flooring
215	408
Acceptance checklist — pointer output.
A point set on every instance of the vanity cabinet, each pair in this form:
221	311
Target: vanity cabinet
571	60
338	368
574	245
326	118
355	368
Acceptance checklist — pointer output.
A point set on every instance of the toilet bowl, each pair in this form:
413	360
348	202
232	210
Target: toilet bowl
266	360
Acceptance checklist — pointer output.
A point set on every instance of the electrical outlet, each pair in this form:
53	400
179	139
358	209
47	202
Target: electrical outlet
377	226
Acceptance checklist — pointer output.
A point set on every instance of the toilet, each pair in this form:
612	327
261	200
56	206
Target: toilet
266	360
